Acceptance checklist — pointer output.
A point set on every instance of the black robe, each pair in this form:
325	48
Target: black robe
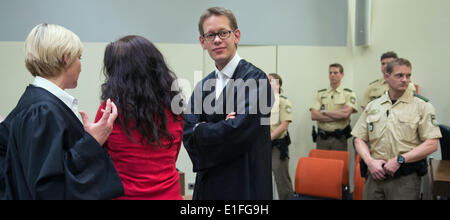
232	158
45	153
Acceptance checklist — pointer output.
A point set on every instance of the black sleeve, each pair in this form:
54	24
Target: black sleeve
3	143
62	162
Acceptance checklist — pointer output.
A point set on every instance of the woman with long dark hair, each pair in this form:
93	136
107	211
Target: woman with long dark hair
146	137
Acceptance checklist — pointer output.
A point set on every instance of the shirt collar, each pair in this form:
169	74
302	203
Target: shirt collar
229	69
339	89
67	99
406	97
385	98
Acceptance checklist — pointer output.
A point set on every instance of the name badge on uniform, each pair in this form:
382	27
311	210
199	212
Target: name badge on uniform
371	127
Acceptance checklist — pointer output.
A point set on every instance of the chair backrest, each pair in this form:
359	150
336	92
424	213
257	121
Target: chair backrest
358	181
319	177
445	142
333	154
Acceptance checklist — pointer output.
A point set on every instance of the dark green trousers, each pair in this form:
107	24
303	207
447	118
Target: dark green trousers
280	170
332	143
401	188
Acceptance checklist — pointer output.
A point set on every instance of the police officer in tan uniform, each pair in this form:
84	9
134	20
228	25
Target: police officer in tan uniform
332	109
281	116
378	87
402	131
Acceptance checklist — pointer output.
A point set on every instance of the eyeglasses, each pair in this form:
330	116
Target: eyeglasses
222	35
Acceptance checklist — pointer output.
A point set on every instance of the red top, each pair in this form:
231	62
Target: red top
146	171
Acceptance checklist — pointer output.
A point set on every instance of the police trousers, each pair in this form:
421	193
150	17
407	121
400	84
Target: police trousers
280	170
400	188
332	143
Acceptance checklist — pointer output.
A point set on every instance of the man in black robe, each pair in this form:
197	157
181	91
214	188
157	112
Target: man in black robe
227	126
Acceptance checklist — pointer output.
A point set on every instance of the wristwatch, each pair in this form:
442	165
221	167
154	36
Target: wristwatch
401	160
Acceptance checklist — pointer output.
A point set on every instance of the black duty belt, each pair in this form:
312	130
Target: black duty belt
338	133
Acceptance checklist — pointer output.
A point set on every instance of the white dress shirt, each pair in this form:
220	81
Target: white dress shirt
69	100
225	75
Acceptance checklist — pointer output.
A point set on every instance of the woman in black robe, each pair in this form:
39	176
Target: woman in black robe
45	150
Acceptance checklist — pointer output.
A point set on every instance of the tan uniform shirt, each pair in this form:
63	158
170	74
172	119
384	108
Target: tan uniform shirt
377	88
396	129
281	111
329	99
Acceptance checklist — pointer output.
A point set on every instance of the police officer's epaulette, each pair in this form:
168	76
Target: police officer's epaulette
282	96
374	82
348	90
421	97
322	90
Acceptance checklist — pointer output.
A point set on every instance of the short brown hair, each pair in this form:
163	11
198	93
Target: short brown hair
397	62
277	77
337	65
390	54
217	11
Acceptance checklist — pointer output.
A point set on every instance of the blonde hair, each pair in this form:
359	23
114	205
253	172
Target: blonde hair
46	48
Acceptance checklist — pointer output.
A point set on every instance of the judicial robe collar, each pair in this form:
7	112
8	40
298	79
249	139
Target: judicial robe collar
65	97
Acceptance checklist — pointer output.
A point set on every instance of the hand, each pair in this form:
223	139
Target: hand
232	115
272	137
376	169
392	166
103	128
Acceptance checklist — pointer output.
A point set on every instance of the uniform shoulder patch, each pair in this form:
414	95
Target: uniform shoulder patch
434	121
322	90
374	82
421	97
288	109
348	90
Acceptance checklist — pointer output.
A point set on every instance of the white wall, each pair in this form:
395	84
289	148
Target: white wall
415	29
305	71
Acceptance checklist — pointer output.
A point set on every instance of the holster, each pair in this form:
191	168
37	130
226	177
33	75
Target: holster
419	167
283	145
314	134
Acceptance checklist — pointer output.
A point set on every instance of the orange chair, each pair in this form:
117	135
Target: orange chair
319	177
358	181
332	154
